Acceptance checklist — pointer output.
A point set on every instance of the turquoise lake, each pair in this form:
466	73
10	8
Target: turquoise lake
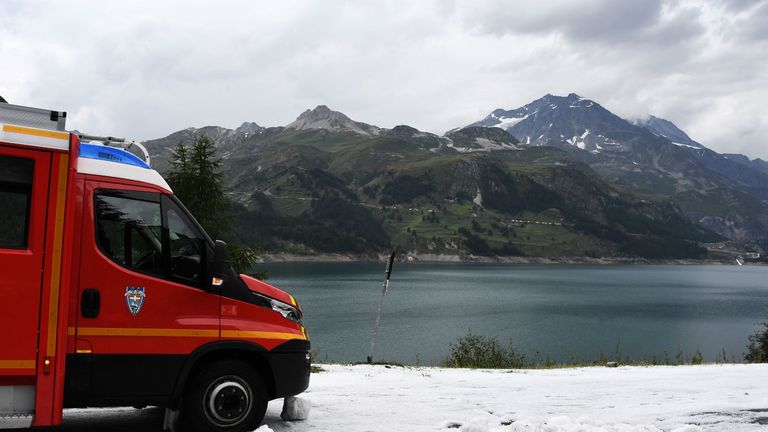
560	311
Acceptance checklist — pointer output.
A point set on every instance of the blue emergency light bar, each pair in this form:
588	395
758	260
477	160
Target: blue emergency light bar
111	154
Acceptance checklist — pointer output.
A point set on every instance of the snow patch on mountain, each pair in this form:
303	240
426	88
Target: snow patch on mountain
480	139
579	141
478	199
487	145
686	145
580	102
481	145
508	122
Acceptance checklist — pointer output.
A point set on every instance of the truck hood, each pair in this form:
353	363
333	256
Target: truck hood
268	290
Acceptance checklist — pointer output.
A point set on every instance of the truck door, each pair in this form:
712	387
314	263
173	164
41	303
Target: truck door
143	300
23	196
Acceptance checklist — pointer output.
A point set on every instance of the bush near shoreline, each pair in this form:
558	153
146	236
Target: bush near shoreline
485	352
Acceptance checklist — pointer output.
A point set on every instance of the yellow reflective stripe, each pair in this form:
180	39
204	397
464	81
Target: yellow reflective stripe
154	332
293	300
36	132
58	238
17	364
260	335
159	332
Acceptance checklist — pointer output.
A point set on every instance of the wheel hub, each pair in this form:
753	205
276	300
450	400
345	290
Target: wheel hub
228	401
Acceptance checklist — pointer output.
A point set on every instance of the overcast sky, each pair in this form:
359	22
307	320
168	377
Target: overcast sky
144	69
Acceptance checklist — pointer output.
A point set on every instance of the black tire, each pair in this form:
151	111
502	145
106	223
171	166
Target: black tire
226	396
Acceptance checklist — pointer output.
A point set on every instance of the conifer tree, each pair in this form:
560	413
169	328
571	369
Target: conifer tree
180	176
196	179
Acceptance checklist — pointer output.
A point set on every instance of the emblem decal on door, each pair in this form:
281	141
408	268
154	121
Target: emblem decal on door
134	298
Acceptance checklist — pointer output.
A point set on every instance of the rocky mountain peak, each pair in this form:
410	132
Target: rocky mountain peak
550	98
666	129
323	117
553	102
404	130
423	140
249	128
562	121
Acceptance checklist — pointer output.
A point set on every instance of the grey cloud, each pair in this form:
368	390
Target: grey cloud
739	5
163	66
755	26
589	19
681	27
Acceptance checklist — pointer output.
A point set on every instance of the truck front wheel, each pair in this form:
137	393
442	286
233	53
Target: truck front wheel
225	396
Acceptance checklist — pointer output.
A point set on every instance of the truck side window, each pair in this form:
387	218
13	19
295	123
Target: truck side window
128	231
15	197
187	248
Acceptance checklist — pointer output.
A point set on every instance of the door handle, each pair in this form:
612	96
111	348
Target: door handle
90	303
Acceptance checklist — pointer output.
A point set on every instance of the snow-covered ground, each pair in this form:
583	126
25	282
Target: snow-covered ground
685	398
377	398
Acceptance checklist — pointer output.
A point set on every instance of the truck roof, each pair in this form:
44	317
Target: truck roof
102	156
98	159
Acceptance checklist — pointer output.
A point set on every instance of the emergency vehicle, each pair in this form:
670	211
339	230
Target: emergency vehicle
111	294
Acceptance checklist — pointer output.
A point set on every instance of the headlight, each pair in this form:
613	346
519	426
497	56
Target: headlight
284	309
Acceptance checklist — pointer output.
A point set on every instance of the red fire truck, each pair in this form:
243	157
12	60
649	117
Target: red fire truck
111	294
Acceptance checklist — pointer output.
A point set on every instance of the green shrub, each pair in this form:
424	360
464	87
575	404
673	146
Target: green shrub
475	351
757	349
697	358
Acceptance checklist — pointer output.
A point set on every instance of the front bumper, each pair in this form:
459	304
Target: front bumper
290	364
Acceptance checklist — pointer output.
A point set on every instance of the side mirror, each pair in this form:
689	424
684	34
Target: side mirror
221	262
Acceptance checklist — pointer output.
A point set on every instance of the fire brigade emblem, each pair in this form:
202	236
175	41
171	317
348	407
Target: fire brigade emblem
134	298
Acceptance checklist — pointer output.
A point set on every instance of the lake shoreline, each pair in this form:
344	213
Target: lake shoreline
567	313
440	258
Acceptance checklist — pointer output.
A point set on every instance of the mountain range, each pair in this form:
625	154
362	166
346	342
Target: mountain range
652	157
558	177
